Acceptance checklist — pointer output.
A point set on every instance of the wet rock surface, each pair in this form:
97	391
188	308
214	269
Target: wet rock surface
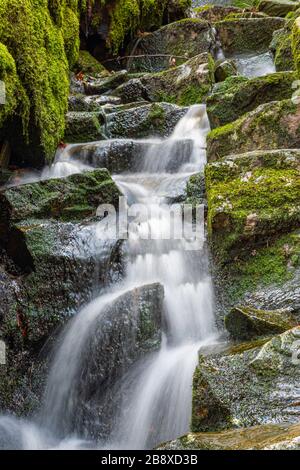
158	119
258	386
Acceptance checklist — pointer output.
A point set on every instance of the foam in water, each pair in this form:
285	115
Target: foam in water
157	403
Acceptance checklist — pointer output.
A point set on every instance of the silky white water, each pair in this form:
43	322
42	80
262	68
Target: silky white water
157	402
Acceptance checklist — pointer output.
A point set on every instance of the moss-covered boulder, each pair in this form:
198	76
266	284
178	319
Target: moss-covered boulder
184	85
296	44
71	198
273	125
247	322
247	34
157	119
183	39
278	7
250	205
257	386
87	64
263	437
225	69
281	47
42	40
84	126
240	97
105	85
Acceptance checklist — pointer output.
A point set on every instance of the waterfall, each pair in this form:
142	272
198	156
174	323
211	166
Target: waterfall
156	403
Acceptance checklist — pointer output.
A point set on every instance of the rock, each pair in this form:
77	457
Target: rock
247	322
214	13
257	386
247	34
225	69
195	190
281	47
105	85
278	7
84	126
249	204
240	97
89	65
296	44
131	91
269	126
80	102
263	437
62	268
71	198
158	119
128	329
184	85
183	39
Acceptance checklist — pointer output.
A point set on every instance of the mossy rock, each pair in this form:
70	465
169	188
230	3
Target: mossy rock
184	85
71	198
263	437
247	34
183	39
248	204
274	125
247	389
214	13
87	64
225	69
157	119
105	85
247	322
224	107
84	127
278	7
281	47
43	40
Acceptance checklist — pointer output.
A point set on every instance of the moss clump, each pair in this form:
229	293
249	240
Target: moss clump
41	37
88	64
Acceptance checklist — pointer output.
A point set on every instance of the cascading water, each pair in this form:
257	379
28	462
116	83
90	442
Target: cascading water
157	403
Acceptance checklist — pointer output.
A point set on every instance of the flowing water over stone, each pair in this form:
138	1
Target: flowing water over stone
153	403
254	65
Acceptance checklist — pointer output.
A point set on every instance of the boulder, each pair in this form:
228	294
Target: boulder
281	47
71	198
263	437
274	125
183	39
225	69
84	126
247	34
105	85
245	323
278	7
251	199
184	85
242	96
127	329
158	119
133	90
80	102
249	387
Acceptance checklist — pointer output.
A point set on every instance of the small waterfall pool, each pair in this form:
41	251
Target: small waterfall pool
157	403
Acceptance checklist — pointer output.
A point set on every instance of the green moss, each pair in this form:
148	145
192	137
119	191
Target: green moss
88	64
42	41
